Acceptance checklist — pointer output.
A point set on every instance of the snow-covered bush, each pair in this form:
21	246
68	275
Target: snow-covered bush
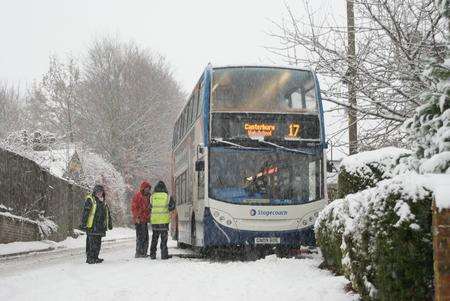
382	237
329	230
429	128
364	170
47	227
384	233
30	140
97	170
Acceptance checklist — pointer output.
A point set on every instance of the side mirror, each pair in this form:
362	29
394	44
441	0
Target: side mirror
200	149
330	166
199	165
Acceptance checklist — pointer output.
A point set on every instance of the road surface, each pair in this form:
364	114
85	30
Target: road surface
63	275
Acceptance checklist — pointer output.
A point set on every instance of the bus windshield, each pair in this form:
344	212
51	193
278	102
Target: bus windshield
263	177
260	89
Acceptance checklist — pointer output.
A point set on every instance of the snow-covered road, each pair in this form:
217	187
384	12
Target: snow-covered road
65	276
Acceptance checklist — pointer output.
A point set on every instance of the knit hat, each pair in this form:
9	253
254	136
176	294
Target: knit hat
97	189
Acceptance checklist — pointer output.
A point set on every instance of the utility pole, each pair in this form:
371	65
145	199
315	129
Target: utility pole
351	77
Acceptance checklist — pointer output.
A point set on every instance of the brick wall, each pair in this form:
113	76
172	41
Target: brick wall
14	229
26	188
441	245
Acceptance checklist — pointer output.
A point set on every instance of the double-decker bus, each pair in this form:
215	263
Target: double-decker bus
248	158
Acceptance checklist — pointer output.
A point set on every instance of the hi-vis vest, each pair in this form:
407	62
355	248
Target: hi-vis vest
160	208
90	220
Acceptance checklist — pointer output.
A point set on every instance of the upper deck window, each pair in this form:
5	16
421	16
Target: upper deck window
261	89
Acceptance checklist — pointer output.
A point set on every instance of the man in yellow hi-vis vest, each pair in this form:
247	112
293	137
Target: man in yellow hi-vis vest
161	204
96	220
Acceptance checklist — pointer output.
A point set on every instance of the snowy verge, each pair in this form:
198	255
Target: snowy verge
380	238
19	248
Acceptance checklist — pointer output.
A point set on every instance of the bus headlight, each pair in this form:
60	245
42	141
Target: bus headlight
308	220
223	218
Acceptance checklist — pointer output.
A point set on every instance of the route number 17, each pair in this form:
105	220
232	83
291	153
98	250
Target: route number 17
294	128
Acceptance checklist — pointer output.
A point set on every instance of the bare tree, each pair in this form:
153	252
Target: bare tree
120	101
53	102
130	102
11	111
392	40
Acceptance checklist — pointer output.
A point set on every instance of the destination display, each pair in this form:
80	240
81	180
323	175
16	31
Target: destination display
265	126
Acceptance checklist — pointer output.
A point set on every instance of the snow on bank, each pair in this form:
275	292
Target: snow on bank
68	243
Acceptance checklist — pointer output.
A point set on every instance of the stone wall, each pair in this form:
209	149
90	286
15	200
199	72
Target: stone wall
28	189
16	229
441	246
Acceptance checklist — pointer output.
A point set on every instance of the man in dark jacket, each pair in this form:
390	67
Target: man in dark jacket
140	208
161	204
96	220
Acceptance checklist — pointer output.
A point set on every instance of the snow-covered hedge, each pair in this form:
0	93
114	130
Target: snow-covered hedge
30	140
364	170
381	239
97	170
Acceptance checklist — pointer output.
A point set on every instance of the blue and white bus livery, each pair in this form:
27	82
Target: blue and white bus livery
248	158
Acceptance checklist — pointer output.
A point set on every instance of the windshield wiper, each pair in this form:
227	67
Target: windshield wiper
286	148
232	143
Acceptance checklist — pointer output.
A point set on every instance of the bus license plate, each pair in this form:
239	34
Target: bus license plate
267	240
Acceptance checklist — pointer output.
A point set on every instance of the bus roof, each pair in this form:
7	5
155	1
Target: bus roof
263	66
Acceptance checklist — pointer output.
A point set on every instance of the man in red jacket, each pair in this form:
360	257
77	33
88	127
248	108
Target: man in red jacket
140	208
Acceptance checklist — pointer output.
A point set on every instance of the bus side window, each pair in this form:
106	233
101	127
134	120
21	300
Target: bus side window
191	109
176	132
183	123
183	188
189	188
177	190
189	113
174	135
201	185
200	98
195	104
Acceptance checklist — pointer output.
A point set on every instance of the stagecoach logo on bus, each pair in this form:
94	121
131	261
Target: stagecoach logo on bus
261	212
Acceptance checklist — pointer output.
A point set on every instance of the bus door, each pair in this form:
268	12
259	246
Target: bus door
183	208
199	200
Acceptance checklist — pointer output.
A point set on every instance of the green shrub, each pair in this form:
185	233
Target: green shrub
329	236
403	251
383	237
366	169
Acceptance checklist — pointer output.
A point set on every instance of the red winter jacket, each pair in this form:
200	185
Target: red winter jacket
140	205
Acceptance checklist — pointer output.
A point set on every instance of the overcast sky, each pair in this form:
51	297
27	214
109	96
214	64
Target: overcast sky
188	33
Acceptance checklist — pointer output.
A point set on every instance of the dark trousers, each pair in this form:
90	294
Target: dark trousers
93	246
141	239
163	232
